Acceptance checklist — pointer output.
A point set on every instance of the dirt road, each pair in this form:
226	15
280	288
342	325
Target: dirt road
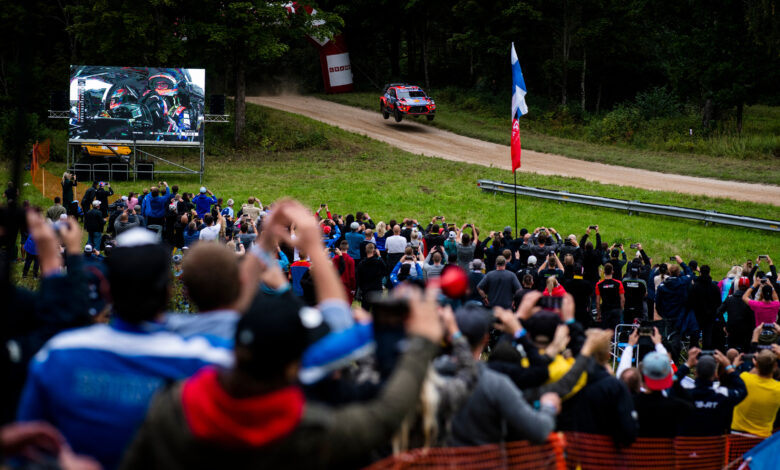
420	139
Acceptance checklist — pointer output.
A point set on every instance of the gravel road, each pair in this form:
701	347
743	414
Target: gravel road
429	141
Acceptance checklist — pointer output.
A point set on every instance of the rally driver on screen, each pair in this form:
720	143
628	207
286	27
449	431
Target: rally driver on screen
170	104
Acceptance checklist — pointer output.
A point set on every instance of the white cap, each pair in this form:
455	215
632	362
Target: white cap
202	189
96	203
88	249
124	198
136	237
354	226
532	259
63	216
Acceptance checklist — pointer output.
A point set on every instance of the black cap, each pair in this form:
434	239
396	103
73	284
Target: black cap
276	329
541	326
474	322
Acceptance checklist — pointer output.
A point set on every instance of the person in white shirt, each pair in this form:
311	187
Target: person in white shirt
210	232
395	246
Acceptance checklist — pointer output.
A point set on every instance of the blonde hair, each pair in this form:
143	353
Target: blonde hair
381	229
552	283
65	176
735	272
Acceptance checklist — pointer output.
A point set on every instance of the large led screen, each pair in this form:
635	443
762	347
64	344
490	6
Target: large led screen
143	105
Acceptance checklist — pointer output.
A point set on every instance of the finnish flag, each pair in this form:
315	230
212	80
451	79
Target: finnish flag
519	108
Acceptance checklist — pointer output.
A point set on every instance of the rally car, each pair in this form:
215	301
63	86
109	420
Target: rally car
399	99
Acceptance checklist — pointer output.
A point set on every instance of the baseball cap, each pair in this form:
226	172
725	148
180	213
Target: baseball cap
124	198
202	189
88	249
474	321
276	330
532	260
657	371
326	230
230	202
96	203
452	235
354	226
63	216
507	229
541	326
705	367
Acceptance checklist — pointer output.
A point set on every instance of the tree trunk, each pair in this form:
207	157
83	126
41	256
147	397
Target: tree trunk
582	80
565	56
740	113
706	114
598	98
240	105
425	55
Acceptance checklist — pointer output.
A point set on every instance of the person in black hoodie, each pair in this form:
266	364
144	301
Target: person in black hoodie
591	257
89	196
741	319
713	406
102	195
704	300
369	274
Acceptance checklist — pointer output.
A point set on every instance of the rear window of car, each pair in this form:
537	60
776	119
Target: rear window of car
410	94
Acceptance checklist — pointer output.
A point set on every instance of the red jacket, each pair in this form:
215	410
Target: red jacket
347	272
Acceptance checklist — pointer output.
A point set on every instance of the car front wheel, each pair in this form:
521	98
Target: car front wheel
397	115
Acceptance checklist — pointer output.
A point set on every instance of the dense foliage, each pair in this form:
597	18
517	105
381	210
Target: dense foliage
710	58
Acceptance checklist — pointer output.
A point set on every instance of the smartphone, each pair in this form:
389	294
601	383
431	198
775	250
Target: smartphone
645	329
633	246
323	205
707	352
769	326
763	256
550	303
672	258
593	227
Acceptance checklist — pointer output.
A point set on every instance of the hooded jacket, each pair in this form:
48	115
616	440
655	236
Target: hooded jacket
672	295
196	424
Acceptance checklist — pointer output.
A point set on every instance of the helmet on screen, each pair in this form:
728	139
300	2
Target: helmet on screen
163	84
121	95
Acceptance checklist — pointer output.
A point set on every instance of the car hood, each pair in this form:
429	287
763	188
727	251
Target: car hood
416	101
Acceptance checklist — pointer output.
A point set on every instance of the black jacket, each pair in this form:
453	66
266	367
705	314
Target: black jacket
713	406
93	221
369	273
591	259
604	406
704	300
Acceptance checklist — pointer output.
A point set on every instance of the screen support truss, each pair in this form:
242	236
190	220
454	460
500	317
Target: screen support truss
74	146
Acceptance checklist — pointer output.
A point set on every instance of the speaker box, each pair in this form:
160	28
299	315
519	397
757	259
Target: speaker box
58	101
144	171
217	104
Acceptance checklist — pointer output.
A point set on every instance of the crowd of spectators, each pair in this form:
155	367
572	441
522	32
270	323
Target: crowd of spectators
308	339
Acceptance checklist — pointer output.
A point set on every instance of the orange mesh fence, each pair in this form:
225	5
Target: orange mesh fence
581	451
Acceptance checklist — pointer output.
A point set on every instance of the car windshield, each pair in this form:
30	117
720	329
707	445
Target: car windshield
410	94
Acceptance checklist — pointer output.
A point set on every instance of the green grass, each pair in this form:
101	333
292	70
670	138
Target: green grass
723	156
289	155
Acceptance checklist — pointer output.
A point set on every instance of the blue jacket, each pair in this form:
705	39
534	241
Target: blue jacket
203	204
95	383
672	294
417	273
354	239
156	206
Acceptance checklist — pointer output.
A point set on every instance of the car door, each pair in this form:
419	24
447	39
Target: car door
392	99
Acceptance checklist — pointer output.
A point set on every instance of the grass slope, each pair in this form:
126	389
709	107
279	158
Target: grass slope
289	155
481	122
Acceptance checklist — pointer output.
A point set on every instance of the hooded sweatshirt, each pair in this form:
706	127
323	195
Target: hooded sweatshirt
672	294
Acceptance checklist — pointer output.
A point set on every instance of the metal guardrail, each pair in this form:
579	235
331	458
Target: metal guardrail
708	217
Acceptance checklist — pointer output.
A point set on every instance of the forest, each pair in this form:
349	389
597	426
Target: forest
579	57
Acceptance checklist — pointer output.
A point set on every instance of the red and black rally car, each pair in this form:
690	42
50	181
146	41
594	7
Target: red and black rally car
399	99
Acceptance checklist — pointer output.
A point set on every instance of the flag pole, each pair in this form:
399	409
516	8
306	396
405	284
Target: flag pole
514	173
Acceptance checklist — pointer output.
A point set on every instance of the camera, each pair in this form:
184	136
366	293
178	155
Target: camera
550	303
323	205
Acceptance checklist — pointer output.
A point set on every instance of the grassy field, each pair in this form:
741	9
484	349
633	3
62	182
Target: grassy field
723	157
289	155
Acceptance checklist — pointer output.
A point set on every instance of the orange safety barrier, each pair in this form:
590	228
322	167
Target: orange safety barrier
577	451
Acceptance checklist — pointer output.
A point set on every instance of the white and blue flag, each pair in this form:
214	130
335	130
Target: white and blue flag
519	108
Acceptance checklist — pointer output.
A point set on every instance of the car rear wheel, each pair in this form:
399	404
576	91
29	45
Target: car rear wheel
430	117
383	110
397	115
